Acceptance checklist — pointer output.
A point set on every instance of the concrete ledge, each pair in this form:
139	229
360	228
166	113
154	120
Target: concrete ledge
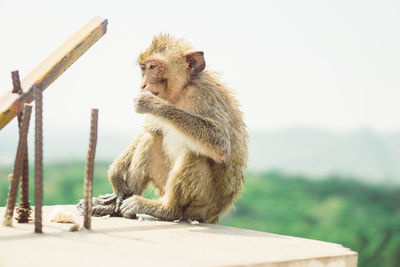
122	242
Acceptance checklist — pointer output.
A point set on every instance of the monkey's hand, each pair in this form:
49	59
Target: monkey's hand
146	102
129	208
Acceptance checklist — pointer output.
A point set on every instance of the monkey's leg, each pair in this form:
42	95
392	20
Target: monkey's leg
127	175
182	181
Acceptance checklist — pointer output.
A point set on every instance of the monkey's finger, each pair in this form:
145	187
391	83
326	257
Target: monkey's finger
118	203
109	200
106	196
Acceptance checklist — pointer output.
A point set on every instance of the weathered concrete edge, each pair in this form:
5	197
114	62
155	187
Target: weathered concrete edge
350	260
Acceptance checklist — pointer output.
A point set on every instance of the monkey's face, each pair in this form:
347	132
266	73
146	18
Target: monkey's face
154	77
168	80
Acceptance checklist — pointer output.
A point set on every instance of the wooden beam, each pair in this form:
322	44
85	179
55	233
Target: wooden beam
51	68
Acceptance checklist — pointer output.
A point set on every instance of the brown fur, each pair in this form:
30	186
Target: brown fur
194	145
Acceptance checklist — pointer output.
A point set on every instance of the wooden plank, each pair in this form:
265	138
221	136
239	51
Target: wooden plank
51	68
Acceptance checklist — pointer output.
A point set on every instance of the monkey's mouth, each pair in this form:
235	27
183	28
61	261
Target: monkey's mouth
154	93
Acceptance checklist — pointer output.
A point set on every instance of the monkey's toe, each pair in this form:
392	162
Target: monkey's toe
128	214
103	205
103	210
79	206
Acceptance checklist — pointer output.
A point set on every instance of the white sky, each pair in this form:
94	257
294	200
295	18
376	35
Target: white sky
324	64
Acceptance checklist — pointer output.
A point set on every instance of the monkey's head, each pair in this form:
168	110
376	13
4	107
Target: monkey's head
168	66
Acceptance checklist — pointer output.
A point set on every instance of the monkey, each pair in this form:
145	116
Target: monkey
193	147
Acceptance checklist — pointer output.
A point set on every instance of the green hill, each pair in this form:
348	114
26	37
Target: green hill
363	154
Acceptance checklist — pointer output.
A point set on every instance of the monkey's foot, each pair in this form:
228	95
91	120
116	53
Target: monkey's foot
102	205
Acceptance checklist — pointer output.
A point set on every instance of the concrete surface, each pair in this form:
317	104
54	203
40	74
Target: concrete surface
123	242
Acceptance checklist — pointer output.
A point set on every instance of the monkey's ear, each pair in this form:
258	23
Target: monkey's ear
195	62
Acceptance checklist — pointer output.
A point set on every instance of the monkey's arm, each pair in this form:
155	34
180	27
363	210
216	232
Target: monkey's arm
207	131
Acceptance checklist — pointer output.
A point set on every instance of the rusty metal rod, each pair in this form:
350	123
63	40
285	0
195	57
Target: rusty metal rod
17	89
38	158
88	191
19	159
24	209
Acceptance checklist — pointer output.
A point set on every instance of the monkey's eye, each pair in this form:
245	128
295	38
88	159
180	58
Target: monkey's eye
153	66
143	67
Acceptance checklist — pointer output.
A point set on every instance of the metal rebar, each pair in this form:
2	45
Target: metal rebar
24	209
38	158
18	165
17	89
88	191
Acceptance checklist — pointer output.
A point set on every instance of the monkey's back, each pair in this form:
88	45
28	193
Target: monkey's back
221	105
